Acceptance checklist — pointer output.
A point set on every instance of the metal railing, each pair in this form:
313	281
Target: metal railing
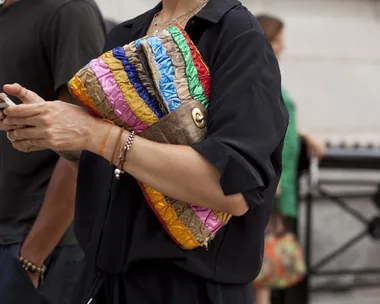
336	159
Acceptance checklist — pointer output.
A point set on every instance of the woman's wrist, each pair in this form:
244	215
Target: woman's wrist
97	132
107	140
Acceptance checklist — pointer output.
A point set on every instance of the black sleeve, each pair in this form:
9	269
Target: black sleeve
75	35
247	117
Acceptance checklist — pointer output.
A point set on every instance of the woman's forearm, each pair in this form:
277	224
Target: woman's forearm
177	171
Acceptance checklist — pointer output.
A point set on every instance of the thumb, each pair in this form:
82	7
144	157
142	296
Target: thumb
25	95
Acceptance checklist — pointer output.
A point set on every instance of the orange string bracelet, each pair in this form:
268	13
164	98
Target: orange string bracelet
104	141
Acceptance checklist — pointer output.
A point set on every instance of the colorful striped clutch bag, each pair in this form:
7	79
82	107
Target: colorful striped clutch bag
158	86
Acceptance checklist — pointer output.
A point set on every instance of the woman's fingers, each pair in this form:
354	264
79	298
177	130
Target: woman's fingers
27	139
7	127
26	134
23	110
28	145
25	95
35	120
12	116
54	125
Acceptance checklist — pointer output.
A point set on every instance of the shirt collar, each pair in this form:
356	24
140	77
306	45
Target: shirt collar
216	9
212	12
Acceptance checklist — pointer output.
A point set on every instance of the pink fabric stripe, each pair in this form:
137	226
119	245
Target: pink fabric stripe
115	96
208	218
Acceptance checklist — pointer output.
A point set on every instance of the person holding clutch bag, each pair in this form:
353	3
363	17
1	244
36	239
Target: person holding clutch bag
173	199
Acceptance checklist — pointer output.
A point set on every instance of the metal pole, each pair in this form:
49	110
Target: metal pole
312	192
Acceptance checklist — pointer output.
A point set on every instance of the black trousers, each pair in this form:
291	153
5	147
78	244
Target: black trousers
15	284
293	295
156	282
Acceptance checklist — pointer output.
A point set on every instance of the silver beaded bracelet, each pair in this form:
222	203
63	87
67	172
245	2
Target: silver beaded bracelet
123	155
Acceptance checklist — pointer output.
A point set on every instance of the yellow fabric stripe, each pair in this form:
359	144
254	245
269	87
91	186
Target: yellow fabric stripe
174	226
135	102
224	217
78	89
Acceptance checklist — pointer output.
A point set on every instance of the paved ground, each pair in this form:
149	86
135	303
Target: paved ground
359	297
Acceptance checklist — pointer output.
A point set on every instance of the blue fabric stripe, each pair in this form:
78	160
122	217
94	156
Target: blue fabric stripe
167	71
133	76
137	42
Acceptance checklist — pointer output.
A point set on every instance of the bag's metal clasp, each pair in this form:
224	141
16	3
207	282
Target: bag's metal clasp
199	118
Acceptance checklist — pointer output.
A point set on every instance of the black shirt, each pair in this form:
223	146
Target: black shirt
42	44
125	241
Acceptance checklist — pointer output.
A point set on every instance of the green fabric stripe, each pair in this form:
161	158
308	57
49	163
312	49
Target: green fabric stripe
195	87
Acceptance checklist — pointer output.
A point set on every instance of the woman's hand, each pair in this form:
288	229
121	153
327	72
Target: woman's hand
3	126
21	91
314	147
278	190
53	125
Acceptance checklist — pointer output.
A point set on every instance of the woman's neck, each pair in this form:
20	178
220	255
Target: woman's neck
173	8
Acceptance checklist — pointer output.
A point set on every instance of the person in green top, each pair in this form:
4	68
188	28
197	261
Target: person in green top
287	199
290	155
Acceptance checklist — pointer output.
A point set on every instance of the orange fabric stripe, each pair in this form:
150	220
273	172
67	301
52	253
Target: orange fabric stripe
78	90
169	218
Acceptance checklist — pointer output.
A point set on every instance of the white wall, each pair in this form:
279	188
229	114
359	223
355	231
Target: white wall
332	62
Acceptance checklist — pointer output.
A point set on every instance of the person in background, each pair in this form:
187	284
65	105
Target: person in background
42	44
287	191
